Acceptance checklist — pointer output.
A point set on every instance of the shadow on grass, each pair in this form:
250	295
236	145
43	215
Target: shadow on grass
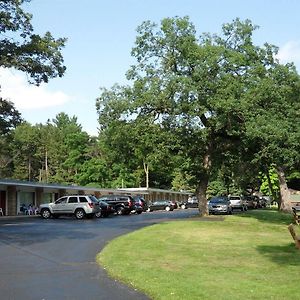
269	216
282	255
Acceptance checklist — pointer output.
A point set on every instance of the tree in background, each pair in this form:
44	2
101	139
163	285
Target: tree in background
20	48
25	145
9	119
68	150
136	150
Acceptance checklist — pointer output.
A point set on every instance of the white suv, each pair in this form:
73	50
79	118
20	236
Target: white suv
78	205
238	202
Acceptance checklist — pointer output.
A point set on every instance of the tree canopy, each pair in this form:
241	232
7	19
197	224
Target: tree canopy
214	96
20	48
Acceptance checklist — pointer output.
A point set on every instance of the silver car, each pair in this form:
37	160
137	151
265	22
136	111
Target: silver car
77	205
219	205
238	202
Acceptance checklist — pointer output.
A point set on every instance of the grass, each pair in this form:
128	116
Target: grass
247	256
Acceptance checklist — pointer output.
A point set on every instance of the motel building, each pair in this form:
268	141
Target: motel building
16	194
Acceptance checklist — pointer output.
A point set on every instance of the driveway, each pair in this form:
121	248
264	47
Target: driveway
55	259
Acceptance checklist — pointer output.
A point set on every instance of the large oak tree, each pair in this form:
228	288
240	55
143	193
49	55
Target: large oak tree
215	96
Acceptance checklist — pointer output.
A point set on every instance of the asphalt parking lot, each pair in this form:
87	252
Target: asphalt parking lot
55	259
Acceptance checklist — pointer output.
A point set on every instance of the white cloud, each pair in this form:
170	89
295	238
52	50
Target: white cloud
290	52
14	87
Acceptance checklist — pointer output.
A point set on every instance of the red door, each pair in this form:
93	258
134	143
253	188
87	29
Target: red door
3	201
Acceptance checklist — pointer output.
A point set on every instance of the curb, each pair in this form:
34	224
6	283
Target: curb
23	217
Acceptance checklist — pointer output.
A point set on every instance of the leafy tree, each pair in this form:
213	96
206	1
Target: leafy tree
38	56
9	116
26	141
137	146
270	184
209	95
275	124
68	150
9	119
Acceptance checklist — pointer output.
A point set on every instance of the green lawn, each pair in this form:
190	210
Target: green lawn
247	256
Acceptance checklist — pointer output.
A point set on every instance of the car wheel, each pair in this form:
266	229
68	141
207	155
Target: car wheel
79	214
45	213
120	211
148	209
98	214
183	206
167	208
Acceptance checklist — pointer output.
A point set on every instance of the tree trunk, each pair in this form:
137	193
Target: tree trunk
284	199
203	184
46	165
201	196
146	169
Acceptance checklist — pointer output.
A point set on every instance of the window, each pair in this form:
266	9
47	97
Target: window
61	200
73	200
82	199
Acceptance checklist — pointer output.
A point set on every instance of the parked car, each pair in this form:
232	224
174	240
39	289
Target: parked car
190	203
138	209
141	201
174	204
160	205
238	202
106	209
122	204
219	205
261	202
78	205
267	200
251	202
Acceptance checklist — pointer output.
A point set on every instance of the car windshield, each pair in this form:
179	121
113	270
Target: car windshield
218	200
235	198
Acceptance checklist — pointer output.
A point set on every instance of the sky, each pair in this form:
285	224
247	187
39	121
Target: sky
101	35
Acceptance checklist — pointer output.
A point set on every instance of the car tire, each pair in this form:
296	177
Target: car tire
167	208
120	211
148	209
79	214
45	213
98	214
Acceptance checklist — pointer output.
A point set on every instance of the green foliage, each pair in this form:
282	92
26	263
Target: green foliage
9	116
26	164
219	102
38	56
9	119
270	184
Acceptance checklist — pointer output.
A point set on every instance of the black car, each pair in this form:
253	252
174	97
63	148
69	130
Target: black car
140	201
160	205
106	209
191	203
138	208
122	204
